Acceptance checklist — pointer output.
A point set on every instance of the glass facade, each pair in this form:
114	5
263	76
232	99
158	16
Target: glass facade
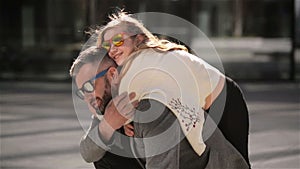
256	39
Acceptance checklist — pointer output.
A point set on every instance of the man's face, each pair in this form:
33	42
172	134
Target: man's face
98	99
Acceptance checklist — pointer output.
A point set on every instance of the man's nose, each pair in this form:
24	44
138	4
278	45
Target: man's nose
112	48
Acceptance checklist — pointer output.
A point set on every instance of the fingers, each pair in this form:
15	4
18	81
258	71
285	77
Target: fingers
130	126
135	103
124	96
119	98
129	130
121	108
129	133
125	101
129	110
124	105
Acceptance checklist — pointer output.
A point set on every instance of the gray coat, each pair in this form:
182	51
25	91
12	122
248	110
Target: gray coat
172	151
166	146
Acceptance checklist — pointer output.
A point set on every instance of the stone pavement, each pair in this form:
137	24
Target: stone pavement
39	128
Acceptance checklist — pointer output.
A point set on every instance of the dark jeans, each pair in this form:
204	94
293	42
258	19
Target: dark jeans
113	161
234	122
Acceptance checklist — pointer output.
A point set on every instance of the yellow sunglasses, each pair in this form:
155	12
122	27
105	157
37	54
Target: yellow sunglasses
117	40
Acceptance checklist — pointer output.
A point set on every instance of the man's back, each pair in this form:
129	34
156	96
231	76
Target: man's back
165	145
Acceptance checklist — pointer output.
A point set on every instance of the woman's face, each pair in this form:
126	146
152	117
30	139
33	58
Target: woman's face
119	44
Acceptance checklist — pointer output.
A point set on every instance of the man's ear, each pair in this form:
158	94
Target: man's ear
112	74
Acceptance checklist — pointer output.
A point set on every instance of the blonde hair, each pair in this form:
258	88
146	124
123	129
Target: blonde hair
133	26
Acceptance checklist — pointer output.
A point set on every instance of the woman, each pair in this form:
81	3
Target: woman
127	41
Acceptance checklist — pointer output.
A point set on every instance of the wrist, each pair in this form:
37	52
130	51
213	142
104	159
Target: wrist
105	130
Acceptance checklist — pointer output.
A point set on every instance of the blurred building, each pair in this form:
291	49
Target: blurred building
256	39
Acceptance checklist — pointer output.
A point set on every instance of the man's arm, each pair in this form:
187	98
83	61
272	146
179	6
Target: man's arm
99	137
92	145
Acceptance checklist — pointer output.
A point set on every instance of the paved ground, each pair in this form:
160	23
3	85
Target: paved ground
39	128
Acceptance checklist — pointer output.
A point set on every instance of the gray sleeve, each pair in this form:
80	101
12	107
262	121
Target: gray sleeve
159	134
92	148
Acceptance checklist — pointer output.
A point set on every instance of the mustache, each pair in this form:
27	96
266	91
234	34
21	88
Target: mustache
93	102
102	103
99	105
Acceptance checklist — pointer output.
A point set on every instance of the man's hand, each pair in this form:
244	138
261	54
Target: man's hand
129	130
120	109
117	112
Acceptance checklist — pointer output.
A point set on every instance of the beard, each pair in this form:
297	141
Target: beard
105	98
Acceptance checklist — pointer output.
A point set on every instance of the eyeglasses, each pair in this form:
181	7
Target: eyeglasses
88	86
117	40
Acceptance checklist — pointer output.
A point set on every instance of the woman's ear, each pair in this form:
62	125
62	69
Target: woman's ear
139	39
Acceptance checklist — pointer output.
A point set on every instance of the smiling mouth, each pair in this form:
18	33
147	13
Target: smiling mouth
117	56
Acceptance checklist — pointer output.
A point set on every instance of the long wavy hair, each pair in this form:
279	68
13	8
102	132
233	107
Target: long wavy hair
134	27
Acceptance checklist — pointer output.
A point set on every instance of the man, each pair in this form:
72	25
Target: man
170	151
92	71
